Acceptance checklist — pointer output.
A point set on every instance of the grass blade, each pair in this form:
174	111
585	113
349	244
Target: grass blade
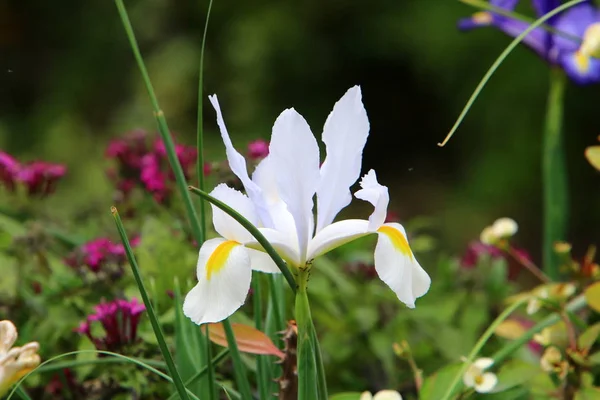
108	353
499	61
254	231
321	379
238	366
554	172
162	344
162	127
198	375
307	368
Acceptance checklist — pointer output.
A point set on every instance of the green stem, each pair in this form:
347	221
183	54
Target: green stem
554	171
263	371
163	128
160	338
269	249
478	346
573	306
203	371
81	363
200	121
322	381
307	368
238	366
499	61
210	370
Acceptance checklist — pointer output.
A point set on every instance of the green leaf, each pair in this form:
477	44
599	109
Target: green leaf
307	368
435	386
587	339
592	296
346	396
514	373
592	393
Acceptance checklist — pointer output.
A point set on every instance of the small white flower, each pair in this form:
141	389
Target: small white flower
550	359
15	362
505	227
478	379
381	395
487	235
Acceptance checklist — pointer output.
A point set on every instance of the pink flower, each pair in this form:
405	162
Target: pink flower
8	169
258	149
98	253
477	250
119	319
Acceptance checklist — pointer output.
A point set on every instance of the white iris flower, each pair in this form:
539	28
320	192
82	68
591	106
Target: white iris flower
279	200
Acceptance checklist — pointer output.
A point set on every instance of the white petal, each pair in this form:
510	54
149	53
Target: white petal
469	376
345	134
8	336
295	156
387	395
337	234
237	163
225	225
366	396
265	177
262	262
288	250
224	276
375	194
487	382
484	363
397	267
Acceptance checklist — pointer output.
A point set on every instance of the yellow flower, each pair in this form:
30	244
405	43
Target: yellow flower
15	362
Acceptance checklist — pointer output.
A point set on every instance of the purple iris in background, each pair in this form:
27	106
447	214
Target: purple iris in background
574	49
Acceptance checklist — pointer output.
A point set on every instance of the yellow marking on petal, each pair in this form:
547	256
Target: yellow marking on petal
397	238
482	18
582	62
219	257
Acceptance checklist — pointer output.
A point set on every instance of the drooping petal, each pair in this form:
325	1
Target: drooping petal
337	234
224	276
397	267
542	7
486	18
288	250
225	225
261	261
344	134
295	156
375	194
237	163
486	382
582	69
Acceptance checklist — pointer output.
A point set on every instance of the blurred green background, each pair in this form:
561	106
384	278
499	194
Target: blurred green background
68	84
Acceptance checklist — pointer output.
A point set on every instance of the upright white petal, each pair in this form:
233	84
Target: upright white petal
397	267
337	234
225	225
288	250
295	156
237	163
345	134
375	194
483	362
265	176
224	276
8	336
262	262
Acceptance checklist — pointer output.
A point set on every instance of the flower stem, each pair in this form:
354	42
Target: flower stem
307	368
574	305
263	371
478	346
554	173
160	337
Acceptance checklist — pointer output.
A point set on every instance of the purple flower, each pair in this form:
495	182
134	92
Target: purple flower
258	149
564	50
119	320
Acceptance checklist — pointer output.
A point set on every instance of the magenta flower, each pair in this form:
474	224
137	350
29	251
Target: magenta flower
99	253
37	177
119	320
8	170
477	250
258	149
